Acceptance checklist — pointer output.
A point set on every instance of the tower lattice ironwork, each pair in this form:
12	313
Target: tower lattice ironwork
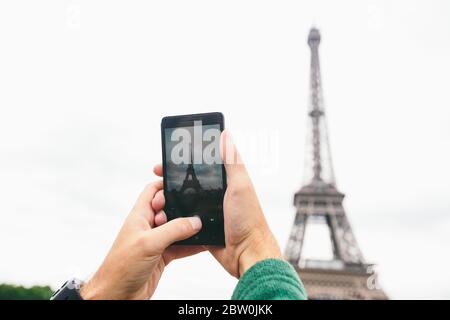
346	275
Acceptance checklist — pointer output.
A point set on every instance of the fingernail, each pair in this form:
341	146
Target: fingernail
195	222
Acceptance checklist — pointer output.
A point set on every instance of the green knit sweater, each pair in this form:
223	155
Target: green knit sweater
270	279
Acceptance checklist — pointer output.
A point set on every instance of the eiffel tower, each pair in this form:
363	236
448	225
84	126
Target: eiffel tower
191	183
346	275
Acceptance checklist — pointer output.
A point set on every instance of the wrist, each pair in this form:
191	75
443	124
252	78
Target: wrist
260	248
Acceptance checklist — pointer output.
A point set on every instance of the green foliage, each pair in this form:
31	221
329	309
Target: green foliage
12	292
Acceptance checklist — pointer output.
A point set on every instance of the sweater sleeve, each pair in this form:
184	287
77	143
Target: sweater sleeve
270	279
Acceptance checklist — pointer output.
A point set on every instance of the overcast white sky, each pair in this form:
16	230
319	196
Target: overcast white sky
84	85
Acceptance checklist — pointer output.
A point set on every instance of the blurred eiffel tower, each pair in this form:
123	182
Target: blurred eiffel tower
346	275
190	182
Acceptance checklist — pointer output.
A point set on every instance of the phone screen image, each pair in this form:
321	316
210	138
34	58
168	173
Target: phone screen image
194	180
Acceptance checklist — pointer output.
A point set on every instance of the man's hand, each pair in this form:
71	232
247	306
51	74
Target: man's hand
247	236
134	265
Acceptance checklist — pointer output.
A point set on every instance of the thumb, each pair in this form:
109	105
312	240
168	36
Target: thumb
232	161
175	230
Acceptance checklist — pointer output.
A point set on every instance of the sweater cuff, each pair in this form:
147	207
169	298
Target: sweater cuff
270	279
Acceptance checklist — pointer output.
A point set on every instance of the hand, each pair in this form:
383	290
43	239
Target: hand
137	259
248	238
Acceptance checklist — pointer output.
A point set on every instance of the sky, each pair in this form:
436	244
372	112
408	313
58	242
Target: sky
84	85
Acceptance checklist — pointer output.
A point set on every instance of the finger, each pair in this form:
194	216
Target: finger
143	203
160	218
172	231
178	252
234	166
158	201
158	170
148	194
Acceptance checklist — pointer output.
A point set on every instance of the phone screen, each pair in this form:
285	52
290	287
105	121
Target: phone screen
194	181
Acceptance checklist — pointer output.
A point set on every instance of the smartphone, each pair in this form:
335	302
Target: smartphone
194	174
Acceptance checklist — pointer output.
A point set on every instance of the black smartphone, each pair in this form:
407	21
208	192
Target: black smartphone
194	174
